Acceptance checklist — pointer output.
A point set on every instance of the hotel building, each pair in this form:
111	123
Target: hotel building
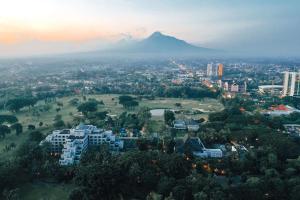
71	143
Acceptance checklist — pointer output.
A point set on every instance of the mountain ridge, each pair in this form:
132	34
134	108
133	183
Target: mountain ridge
160	43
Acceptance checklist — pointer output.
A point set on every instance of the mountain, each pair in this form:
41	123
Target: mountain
157	45
160	43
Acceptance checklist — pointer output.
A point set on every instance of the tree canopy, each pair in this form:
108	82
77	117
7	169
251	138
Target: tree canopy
16	104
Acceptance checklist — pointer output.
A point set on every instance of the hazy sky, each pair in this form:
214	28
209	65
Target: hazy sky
53	26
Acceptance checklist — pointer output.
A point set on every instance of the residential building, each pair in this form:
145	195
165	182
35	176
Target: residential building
192	125
57	139
234	87
179	124
245	86
195	145
73	148
209	69
226	86
220	70
293	129
291	84
71	143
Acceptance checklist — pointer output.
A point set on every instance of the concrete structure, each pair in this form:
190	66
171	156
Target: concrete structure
219	83
209	71
245	86
192	125
226	86
57	139
71	143
293	129
196	146
220	70
179	124
209	153
270	89
73	148
291	84
234	87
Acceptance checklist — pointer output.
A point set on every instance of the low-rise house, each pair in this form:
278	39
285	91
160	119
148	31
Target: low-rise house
195	146
192	125
234	87
179	124
293	129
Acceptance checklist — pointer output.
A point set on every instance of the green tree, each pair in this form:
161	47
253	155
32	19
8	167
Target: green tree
36	136
169	117
15	105
4	130
31	127
8	119
87	107
18	128
128	101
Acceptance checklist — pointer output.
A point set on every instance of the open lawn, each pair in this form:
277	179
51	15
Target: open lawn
45	191
34	116
204	106
37	114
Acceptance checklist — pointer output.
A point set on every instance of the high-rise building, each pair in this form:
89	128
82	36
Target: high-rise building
220	70
285	83
291	84
245	87
209	69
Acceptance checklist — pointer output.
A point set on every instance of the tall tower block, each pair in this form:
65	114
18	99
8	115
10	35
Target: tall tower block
285	83
209	71
291	84
220	70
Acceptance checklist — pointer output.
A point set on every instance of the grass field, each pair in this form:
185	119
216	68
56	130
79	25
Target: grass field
45	191
26	116
49	191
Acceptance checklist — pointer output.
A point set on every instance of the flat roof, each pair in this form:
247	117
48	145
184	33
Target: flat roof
270	86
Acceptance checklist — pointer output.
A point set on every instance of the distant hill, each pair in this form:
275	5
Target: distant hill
157	43
160	43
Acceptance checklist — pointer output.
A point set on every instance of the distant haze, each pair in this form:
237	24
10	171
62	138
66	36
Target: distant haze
254	28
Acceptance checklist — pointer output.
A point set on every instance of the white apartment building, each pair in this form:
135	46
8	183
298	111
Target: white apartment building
73	148
57	140
71	143
291	84
209	69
